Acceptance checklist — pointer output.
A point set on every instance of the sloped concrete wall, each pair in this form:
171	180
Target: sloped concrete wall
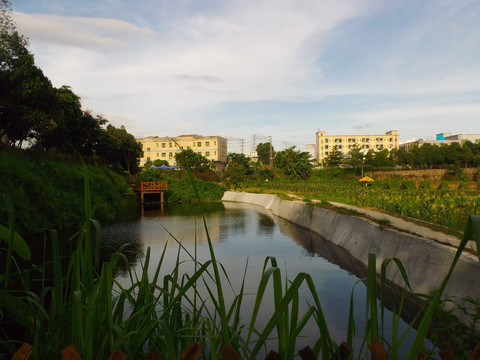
426	261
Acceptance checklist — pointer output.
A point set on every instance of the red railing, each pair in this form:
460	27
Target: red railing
150	186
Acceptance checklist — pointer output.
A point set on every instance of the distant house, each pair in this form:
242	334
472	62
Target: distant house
325	144
165	147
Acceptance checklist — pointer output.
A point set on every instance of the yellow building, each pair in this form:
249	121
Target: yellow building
164	148
325	144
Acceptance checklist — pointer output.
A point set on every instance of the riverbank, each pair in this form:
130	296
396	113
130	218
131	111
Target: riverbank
425	259
47	192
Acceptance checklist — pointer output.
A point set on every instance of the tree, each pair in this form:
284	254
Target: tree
294	163
354	158
196	162
159	162
27	97
334	159
241	159
234	174
381	159
127	150
265	153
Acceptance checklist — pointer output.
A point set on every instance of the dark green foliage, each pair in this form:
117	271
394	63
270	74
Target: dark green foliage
454	172
425	184
408	185
294	163
159	162
335	158
265	153
49	193
393	184
181	190
196	162
234	175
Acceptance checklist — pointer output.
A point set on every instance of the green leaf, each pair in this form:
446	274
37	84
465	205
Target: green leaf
20	246
18	310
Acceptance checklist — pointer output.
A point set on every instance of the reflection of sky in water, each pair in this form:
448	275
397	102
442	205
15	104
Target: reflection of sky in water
243	232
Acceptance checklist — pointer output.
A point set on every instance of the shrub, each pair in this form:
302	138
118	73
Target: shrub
425	184
408	185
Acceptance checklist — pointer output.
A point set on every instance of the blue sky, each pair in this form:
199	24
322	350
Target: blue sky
248	69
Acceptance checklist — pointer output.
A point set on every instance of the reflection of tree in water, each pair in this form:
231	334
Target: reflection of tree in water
266	224
124	239
193	209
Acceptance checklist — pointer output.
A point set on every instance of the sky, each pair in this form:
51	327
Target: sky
253	69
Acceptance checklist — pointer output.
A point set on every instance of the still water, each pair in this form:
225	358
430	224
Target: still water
243	236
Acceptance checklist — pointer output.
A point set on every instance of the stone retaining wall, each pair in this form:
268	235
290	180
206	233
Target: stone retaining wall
426	261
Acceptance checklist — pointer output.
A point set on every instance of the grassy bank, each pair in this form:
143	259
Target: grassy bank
48	193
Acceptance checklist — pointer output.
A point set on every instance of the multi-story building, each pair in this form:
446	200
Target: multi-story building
442	138
164	148
325	144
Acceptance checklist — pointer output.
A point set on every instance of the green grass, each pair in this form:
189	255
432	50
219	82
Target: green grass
445	207
48	193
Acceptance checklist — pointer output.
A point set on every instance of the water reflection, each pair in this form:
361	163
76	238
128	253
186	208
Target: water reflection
243	234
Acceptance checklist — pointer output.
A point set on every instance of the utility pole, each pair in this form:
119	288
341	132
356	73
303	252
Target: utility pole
254	139
271	151
242	141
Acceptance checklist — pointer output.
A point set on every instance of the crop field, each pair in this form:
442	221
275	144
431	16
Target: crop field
448	206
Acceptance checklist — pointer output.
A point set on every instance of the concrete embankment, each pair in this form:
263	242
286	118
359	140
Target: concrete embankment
426	260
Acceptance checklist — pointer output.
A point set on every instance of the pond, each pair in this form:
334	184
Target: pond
243	236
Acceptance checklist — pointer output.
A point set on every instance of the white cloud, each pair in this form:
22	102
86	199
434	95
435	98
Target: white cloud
164	76
78	31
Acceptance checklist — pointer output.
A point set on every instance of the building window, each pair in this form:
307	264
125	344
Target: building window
199	144
326	141
164	145
169	144
188	148
164	155
157	144
148	149
207	143
214	143
214	153
207	153
148	158
326	146
170	155
157	154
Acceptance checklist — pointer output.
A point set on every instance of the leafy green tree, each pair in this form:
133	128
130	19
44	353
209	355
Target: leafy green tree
159	162
234	174
382	159
294	163
127	150
26	96
265	152
453	153
334	159
354	159
243	160
196	162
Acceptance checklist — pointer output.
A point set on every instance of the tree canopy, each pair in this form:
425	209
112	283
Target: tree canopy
294	163
265	152
196	162
32	110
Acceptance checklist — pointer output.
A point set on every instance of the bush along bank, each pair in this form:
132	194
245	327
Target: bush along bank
48	193
180	187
